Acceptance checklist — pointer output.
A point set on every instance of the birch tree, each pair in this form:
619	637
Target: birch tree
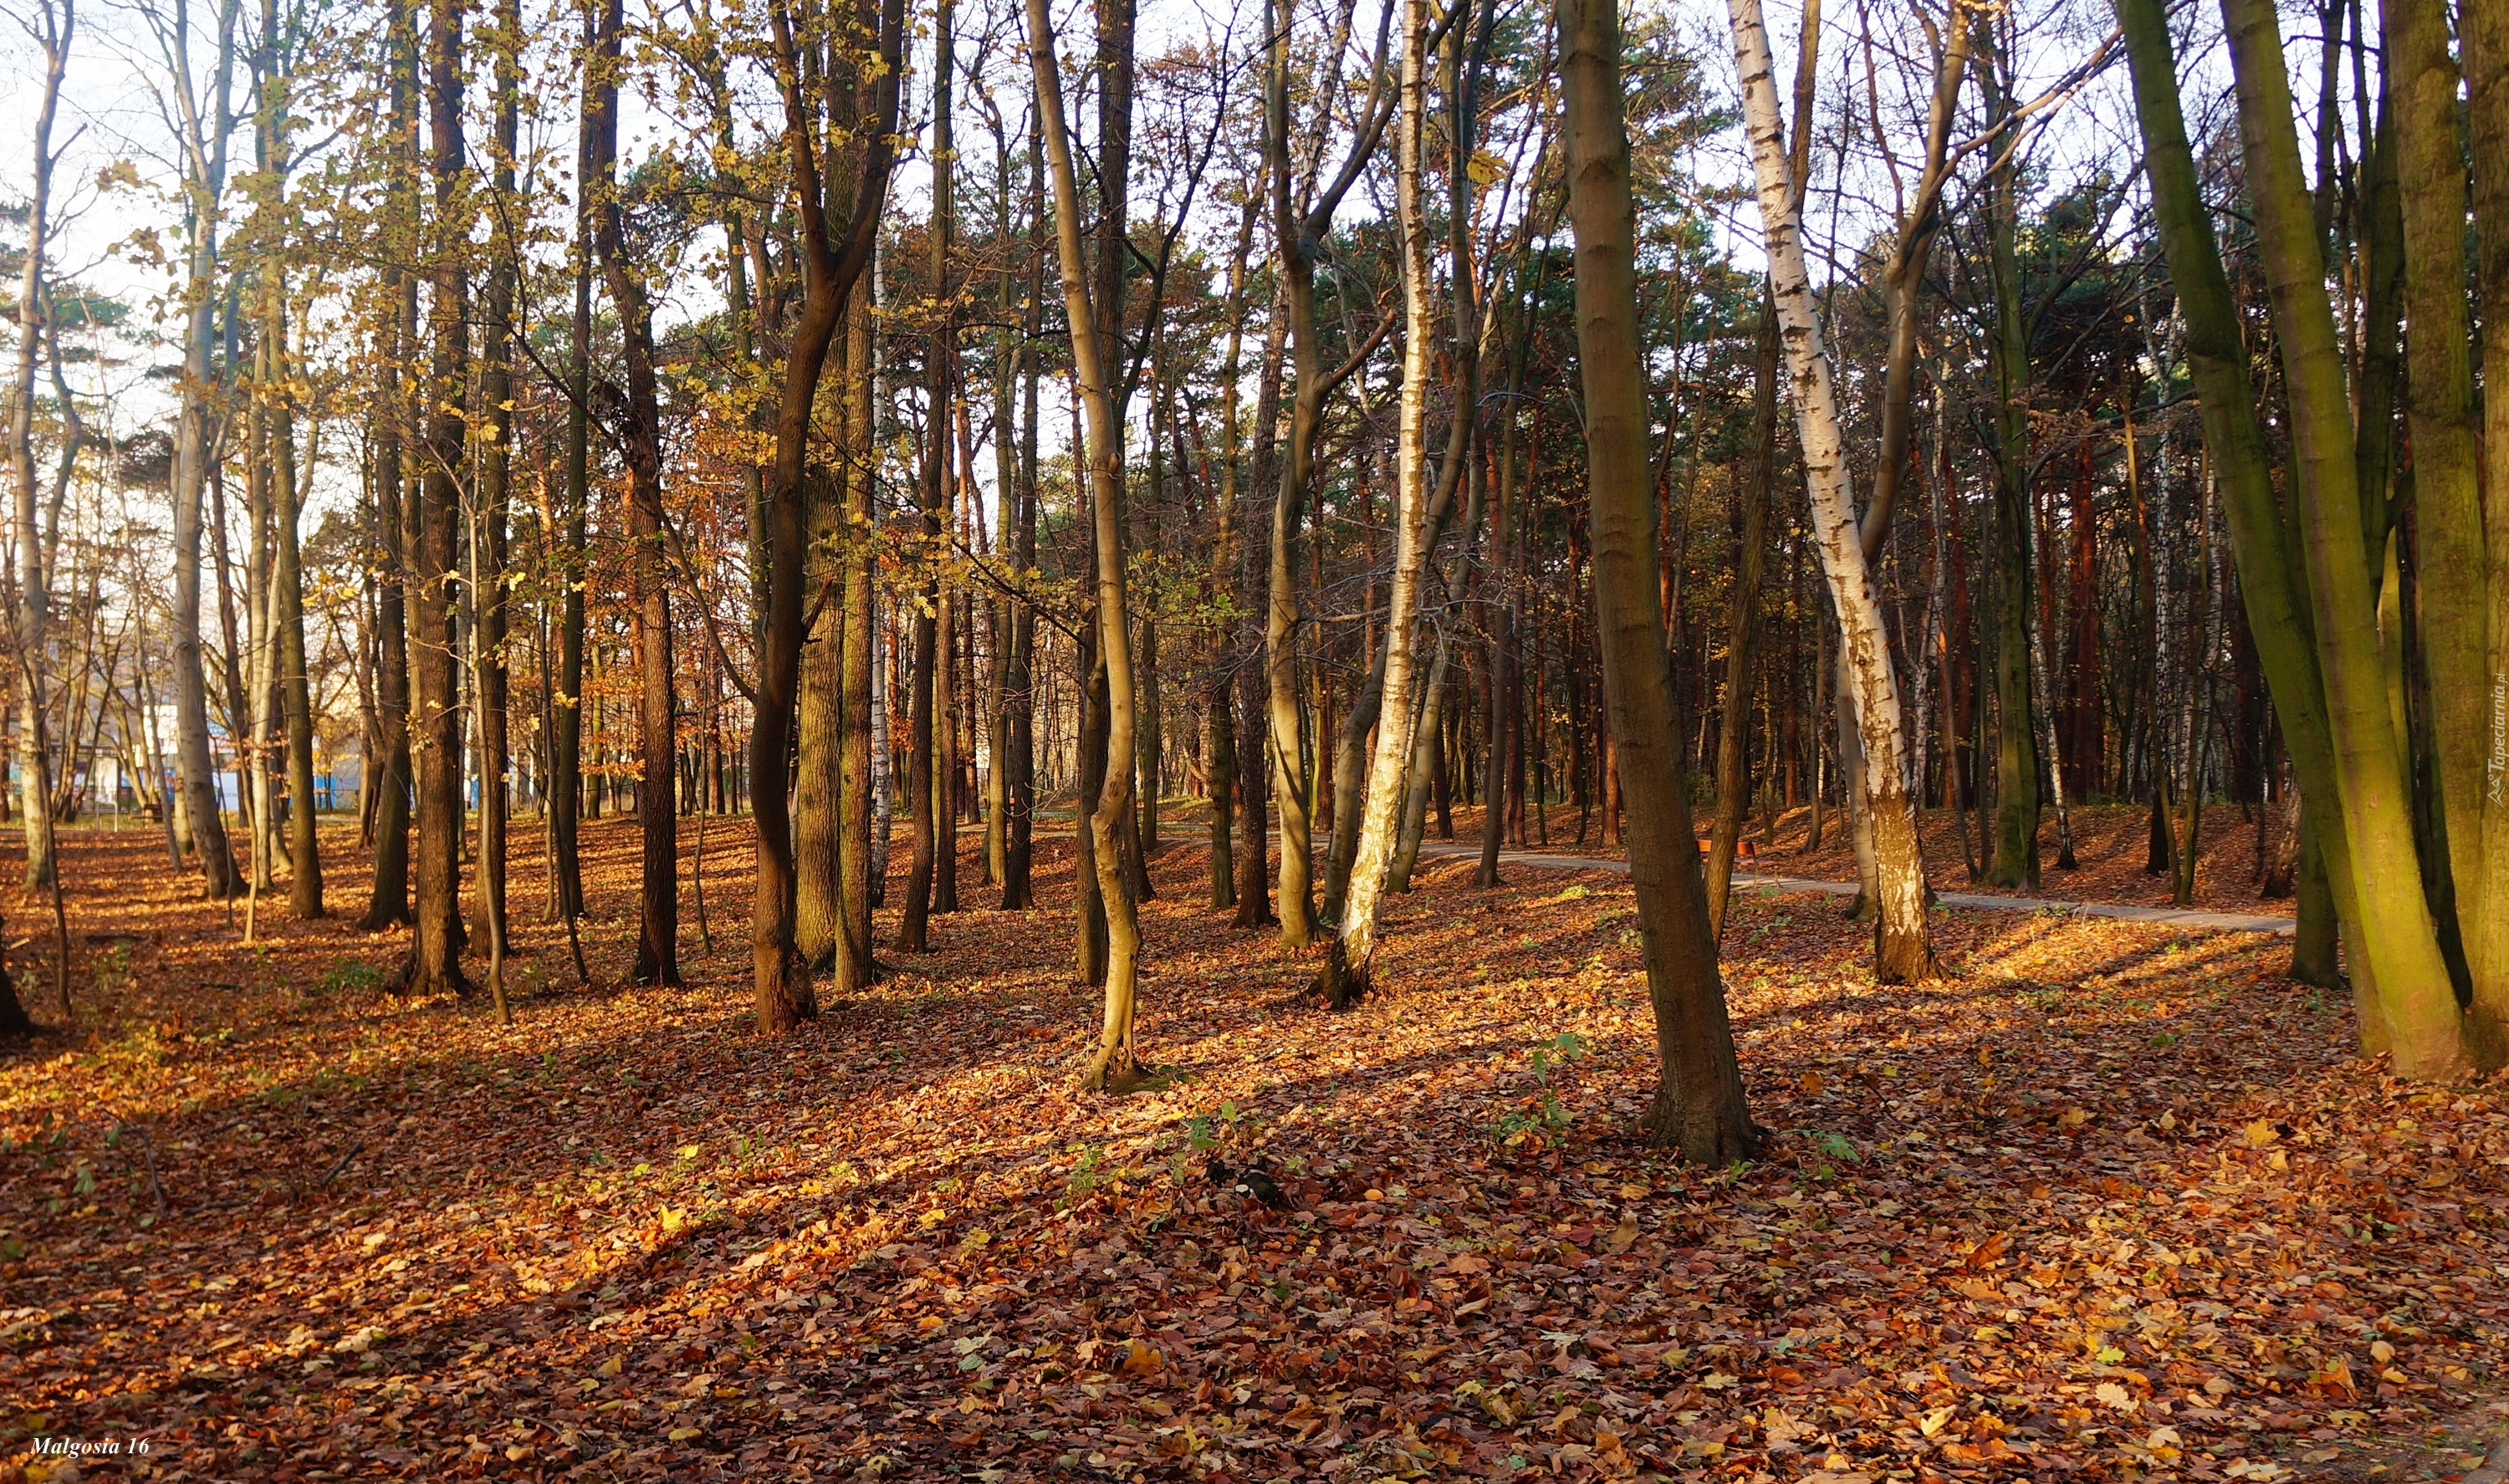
1902	953
1350	958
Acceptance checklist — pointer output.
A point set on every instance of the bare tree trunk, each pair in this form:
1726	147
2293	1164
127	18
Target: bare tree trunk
1350	958
435	965
53	24
1901	952
1733	732
496	491
2484	33
1116	1064
204	169
830	268
1699	1107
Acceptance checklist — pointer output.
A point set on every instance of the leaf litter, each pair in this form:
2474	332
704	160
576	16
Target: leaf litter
2114	1203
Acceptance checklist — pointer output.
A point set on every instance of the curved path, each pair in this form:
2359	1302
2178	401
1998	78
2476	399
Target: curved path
2176	916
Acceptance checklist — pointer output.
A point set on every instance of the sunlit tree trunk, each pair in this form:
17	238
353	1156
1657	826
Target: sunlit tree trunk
205	127
1350	958
1116	1064
2425	1028
2306	581
831	265
1902	953
495	494
435	964
2458	605
52	27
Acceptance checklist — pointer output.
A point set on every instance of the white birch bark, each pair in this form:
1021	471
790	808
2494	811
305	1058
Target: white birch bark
1866	651
1346	970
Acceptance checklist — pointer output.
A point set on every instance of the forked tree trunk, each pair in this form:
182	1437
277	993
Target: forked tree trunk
2306	584
1350	958
1902	954
1298	237
1116	1066
831	265
1699	1107
2400	950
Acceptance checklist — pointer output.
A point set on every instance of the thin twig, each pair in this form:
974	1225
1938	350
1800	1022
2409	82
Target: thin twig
338	1165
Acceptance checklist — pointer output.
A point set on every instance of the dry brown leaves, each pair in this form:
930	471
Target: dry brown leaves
2111	1203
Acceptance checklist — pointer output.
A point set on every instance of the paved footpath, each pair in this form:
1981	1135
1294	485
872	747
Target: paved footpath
2174	917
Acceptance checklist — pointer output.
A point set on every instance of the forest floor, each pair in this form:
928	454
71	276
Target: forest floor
2115	1202
2111	842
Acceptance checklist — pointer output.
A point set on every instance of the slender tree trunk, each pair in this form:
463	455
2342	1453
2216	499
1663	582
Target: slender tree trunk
1254	755
1698	1106
1902	954
1733	732
857	858
1220	707
1019	676
435	965
205	169
639	437
1116	1064
830	266
53	27
1348	970
566	733
387	902
2015	857
495	496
